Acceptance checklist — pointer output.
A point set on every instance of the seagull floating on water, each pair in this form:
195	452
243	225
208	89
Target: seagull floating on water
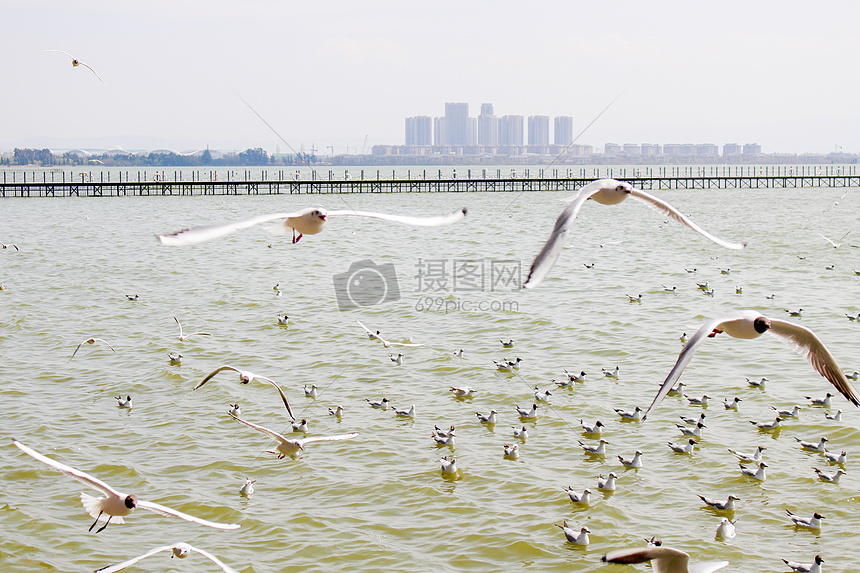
115	505
301	426
580	538
463	392
826	401
397	359
767	425
693	421
512	452
728	505
814	567
634	462
733	405
813	522
688	448
747	458
180	550
695	432
756	474
408	413
234	410
337	412
487	418
576	377
611	373
839	458
247	488
383	404
542	396
703	401
829	478
726	529
449	467
635	415
597	428
123	403
521	433
837	417
308	221
598	450
608	483
758	383
811	446
663	560
793	413
311	391
605	192
584	498
527	413
174	357
508	344
749	324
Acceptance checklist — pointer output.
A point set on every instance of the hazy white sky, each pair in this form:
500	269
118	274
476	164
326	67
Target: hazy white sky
334	73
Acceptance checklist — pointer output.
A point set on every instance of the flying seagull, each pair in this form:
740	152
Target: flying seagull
309	221
663	560
288	447
750	324
76	62
115	505
605	192
181	550
246	377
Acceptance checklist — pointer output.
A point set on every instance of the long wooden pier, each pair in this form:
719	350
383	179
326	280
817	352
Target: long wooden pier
322	187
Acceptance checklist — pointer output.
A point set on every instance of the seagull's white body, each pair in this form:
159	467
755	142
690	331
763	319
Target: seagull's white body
446	439
598	450
509	344
748	324
123	403
755	457
174	357
301	426
398	359
527	413
409	413
733	405
689	448
829	478
511	451
833	458
382	404
634	462
608	483
487	418
247	488
677	390
728	505
584	498
766	426
308	221
437	431
695	432
337	412
611	373
597	428
542	396
115	505
311	391
605	192
757	383
812	446
576	377
814	567
577	538
663	560
837	417
813	522
291	447
246	377
826	401
793	413
703	401
635	415
449	467
463	391
726	529
180	550
234	410
521	433
756	474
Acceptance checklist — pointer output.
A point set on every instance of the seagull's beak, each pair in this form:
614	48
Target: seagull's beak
322	217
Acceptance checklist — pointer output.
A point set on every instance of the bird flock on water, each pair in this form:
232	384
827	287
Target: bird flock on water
742	324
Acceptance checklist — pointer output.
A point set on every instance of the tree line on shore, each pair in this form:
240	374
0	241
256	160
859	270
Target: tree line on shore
255	157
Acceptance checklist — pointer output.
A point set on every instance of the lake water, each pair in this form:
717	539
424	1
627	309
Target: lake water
379	502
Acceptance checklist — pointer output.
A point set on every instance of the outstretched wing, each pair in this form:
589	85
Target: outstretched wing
133	560
163	510
92	70
83	477
545	260
676	215
213	559
683	359
432	221
811	347
271	433
212	375
281	392
348	436
369	332
209	232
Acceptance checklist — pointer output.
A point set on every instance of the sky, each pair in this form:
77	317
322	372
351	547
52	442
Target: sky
341	76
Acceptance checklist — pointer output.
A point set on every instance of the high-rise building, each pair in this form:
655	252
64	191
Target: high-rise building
538	130
456	124
730	149
651	149
419	130
611	149
511	130
439	131
563	132
488	126
752	149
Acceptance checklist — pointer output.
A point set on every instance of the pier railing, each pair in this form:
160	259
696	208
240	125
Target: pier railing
322	187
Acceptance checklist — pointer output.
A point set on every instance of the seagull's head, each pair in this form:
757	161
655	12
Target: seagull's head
319	214
130	501
761	325
181	550
244	379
